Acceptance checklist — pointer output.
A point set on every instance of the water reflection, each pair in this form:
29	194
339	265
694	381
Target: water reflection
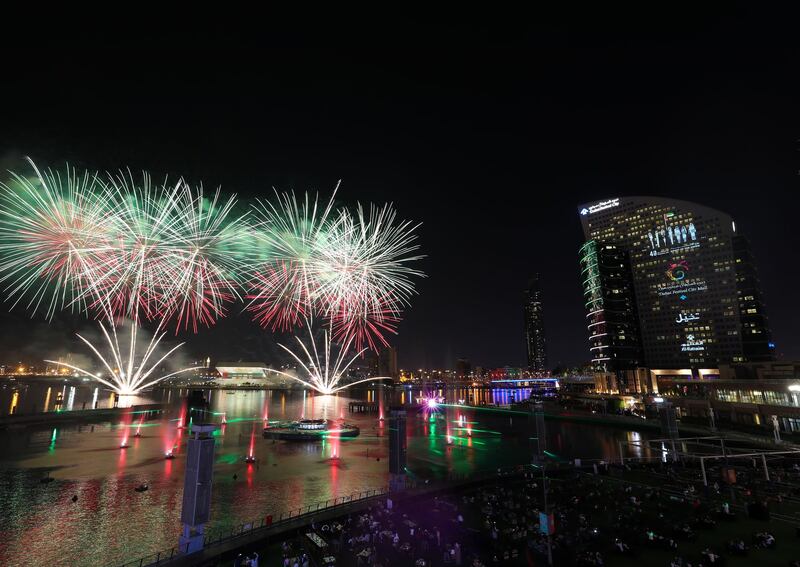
110	522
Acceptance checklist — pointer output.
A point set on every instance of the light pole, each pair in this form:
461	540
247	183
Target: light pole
711	422
547	515
541	459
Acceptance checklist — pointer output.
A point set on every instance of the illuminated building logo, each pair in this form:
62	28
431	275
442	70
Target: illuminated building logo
601	206
687	317
692	344
678	271
669	238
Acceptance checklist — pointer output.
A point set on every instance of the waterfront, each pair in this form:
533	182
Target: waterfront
111	522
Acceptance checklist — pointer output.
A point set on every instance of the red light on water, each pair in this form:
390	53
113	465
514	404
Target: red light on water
139	426
251	451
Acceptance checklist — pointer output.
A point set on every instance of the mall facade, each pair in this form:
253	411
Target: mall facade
668	285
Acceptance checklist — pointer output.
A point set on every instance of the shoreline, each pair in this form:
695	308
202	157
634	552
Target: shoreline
89	415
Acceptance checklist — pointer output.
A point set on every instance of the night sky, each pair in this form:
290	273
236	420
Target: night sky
489	134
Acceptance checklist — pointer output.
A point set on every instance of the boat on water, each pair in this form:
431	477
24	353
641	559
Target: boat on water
430	401
310	430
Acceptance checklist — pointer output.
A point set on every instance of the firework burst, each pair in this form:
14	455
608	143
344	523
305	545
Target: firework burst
205	257
123	247
291	233
176	253
321	371
53	228
364	277
128	371
350	269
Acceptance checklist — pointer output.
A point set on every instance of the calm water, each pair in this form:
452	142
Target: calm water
111	522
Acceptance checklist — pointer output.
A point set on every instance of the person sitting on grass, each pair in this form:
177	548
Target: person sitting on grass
737	546
712	557
764	540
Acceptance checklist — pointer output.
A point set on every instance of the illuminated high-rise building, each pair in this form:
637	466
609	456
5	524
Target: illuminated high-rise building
534	327
677	274
382	363
611	317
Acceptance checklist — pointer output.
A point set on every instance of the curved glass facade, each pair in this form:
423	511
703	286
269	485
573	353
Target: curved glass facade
678	275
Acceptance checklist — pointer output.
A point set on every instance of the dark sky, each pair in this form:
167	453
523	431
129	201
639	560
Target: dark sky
489	134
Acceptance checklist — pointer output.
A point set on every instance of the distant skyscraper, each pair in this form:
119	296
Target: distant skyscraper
534	327
684	272
383	363
463	368
757	343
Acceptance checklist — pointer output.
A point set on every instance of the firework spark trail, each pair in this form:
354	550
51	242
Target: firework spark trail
130	279
365	258
178	254
324	373
283	292
349	268
366	283
128	373
208	259
51	228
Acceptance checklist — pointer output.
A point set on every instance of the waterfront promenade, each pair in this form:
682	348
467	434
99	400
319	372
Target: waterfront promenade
616	517
612	517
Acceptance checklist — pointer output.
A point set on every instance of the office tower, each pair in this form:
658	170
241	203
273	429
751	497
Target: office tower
534	327
690	276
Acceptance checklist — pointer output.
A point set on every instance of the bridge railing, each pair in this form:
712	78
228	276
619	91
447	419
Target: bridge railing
221	535
216	537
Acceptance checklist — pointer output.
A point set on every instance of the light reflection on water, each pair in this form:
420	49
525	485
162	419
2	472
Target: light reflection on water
111	522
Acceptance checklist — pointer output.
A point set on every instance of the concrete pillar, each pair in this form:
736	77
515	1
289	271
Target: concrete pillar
538	434
397	450
197	487
669	425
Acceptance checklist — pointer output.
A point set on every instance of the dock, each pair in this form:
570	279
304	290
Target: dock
363	407
87	416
